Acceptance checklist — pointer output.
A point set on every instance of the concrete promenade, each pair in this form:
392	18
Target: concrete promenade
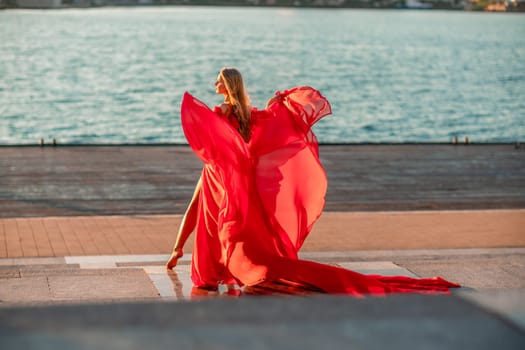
83	243
133	180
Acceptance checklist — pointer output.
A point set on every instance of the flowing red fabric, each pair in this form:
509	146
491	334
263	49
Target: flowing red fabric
259	200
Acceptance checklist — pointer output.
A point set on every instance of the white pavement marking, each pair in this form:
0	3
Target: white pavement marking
32	261
159	276
171	284
109	261
336	256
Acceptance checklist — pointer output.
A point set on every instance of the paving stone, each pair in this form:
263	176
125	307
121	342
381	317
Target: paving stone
47	270
341	231
9	272
13	290
98	284
505	272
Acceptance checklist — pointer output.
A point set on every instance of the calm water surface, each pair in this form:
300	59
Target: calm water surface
115	75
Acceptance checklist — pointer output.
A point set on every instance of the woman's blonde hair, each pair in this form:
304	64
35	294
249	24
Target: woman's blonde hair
238	98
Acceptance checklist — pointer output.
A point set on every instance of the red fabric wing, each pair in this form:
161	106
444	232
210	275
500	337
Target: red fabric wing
259	201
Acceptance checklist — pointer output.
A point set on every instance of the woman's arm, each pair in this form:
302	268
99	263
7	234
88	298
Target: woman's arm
187	225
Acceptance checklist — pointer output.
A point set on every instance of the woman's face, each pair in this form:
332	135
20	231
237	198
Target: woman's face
220	88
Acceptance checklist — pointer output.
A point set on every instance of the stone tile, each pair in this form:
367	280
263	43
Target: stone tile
47	270
15	253
417	229
497	272
59	248
132	283
3	247
29	250
152	234
9	272
31	289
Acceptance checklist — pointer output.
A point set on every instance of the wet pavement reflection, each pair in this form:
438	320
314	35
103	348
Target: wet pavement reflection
183	288
176	284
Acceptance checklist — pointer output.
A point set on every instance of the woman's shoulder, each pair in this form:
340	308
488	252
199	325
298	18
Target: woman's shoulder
223	109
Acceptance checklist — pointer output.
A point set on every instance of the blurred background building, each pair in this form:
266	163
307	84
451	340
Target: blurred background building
469	5
39	3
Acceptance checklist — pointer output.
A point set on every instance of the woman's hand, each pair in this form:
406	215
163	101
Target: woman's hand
174	258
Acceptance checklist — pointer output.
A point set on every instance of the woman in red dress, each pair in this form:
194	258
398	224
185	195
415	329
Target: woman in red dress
261	190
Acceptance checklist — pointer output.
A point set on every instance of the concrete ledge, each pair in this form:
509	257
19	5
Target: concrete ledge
396	322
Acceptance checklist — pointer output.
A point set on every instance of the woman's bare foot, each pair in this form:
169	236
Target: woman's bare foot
174	258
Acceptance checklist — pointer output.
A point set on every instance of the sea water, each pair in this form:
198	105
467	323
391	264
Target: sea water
117	75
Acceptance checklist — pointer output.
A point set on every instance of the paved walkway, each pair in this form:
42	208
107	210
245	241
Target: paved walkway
155	234
112	302
121	277
70	278
121	258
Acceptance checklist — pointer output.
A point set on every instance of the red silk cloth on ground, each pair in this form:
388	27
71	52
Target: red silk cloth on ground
259	200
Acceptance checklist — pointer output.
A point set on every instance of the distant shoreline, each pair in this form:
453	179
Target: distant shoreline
425	5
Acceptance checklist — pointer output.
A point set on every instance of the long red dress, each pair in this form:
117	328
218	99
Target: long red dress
259	200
